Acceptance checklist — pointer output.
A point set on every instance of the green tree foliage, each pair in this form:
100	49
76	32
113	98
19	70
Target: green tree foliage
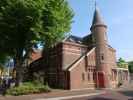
56	21
19	19
122	63
25	23
130	66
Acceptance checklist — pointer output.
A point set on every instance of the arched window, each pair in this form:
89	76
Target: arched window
105	37
83	76
102	56
89	77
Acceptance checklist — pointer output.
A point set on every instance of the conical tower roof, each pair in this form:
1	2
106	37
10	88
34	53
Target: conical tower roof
97	18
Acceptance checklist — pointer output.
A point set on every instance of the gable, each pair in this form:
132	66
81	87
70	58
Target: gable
90	59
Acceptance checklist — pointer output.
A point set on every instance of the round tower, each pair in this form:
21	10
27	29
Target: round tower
103	71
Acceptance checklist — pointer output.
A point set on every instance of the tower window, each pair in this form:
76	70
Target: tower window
105	36
102	56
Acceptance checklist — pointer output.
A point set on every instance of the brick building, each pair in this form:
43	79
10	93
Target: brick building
78	63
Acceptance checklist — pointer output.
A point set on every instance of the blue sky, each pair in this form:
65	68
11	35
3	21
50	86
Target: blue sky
117	14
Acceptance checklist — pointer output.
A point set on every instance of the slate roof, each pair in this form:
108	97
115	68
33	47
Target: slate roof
97	18
74	39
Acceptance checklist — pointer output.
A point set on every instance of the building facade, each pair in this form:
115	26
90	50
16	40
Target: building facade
78	63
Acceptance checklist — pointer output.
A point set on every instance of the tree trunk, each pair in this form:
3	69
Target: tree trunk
20	65
18	77
19	73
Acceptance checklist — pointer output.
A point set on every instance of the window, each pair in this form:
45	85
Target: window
102	56
105	36
83	76
89	78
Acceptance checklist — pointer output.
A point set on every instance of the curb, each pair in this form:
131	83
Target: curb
70	97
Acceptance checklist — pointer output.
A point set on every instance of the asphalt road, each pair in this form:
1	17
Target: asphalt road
110	95
124	93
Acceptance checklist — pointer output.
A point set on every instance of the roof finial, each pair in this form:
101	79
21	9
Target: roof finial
97	18
95	4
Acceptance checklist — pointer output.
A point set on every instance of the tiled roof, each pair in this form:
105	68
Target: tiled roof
97	18
74	39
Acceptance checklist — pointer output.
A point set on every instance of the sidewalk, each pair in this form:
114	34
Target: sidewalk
53	94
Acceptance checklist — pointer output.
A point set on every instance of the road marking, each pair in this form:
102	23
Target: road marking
70	97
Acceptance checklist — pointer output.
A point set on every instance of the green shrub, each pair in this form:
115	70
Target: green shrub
28	88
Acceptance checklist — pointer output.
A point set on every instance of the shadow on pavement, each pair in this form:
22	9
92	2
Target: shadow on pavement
101	98
127	93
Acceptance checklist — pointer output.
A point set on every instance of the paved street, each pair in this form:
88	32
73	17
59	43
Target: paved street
109	95
105	95
124	93
49	96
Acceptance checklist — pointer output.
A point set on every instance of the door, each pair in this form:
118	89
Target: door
100	81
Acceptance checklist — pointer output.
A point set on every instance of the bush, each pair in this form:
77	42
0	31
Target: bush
28	88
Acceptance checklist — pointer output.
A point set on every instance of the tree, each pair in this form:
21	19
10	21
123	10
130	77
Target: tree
130	66
57	19
19	20
1	69
122	63
25	23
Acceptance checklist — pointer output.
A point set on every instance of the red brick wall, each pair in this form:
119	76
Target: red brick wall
81	76
112	64
71	52
112	58
64	55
